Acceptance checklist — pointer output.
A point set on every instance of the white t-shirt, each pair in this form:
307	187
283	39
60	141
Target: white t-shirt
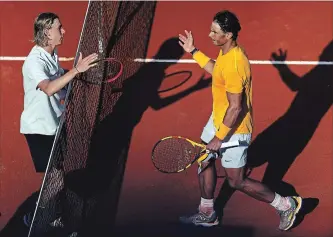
41	114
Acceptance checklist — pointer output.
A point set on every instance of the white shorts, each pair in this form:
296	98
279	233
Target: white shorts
233	157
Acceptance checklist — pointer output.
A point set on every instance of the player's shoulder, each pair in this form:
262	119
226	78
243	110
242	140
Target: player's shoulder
241	57
35	61
35	57
241	53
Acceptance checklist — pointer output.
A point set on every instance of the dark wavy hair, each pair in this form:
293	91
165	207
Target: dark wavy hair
228	22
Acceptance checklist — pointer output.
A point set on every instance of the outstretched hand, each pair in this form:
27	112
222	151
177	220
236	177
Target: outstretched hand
187	42
87	62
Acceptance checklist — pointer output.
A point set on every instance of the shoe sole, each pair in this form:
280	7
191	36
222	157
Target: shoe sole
299	201
216	222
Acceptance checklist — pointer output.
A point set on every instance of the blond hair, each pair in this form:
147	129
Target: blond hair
42	23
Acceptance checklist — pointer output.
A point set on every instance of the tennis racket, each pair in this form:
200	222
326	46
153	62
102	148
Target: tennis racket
103	75
175	154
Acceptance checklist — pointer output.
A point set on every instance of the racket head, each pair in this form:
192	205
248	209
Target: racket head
110	73
174	154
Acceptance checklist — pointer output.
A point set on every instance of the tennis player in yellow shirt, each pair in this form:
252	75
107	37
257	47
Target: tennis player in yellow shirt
231	119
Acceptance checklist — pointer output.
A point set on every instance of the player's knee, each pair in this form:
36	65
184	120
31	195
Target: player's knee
236	183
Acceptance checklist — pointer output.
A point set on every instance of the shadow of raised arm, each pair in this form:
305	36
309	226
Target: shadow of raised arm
288	77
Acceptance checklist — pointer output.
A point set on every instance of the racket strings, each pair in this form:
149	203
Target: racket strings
172	155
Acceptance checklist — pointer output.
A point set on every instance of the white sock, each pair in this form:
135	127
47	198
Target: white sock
280	203
206	206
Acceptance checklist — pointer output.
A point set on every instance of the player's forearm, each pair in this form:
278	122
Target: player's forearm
56	85
210	66
231	116
229	121
204	61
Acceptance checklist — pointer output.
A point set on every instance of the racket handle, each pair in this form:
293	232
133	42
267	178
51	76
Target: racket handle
230	144
227	144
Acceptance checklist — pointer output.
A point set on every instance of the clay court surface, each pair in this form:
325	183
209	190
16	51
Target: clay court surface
148	196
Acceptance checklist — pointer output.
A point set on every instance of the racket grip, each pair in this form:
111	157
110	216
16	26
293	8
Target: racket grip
230	144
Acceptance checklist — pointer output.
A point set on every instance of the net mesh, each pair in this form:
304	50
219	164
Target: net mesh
82	183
